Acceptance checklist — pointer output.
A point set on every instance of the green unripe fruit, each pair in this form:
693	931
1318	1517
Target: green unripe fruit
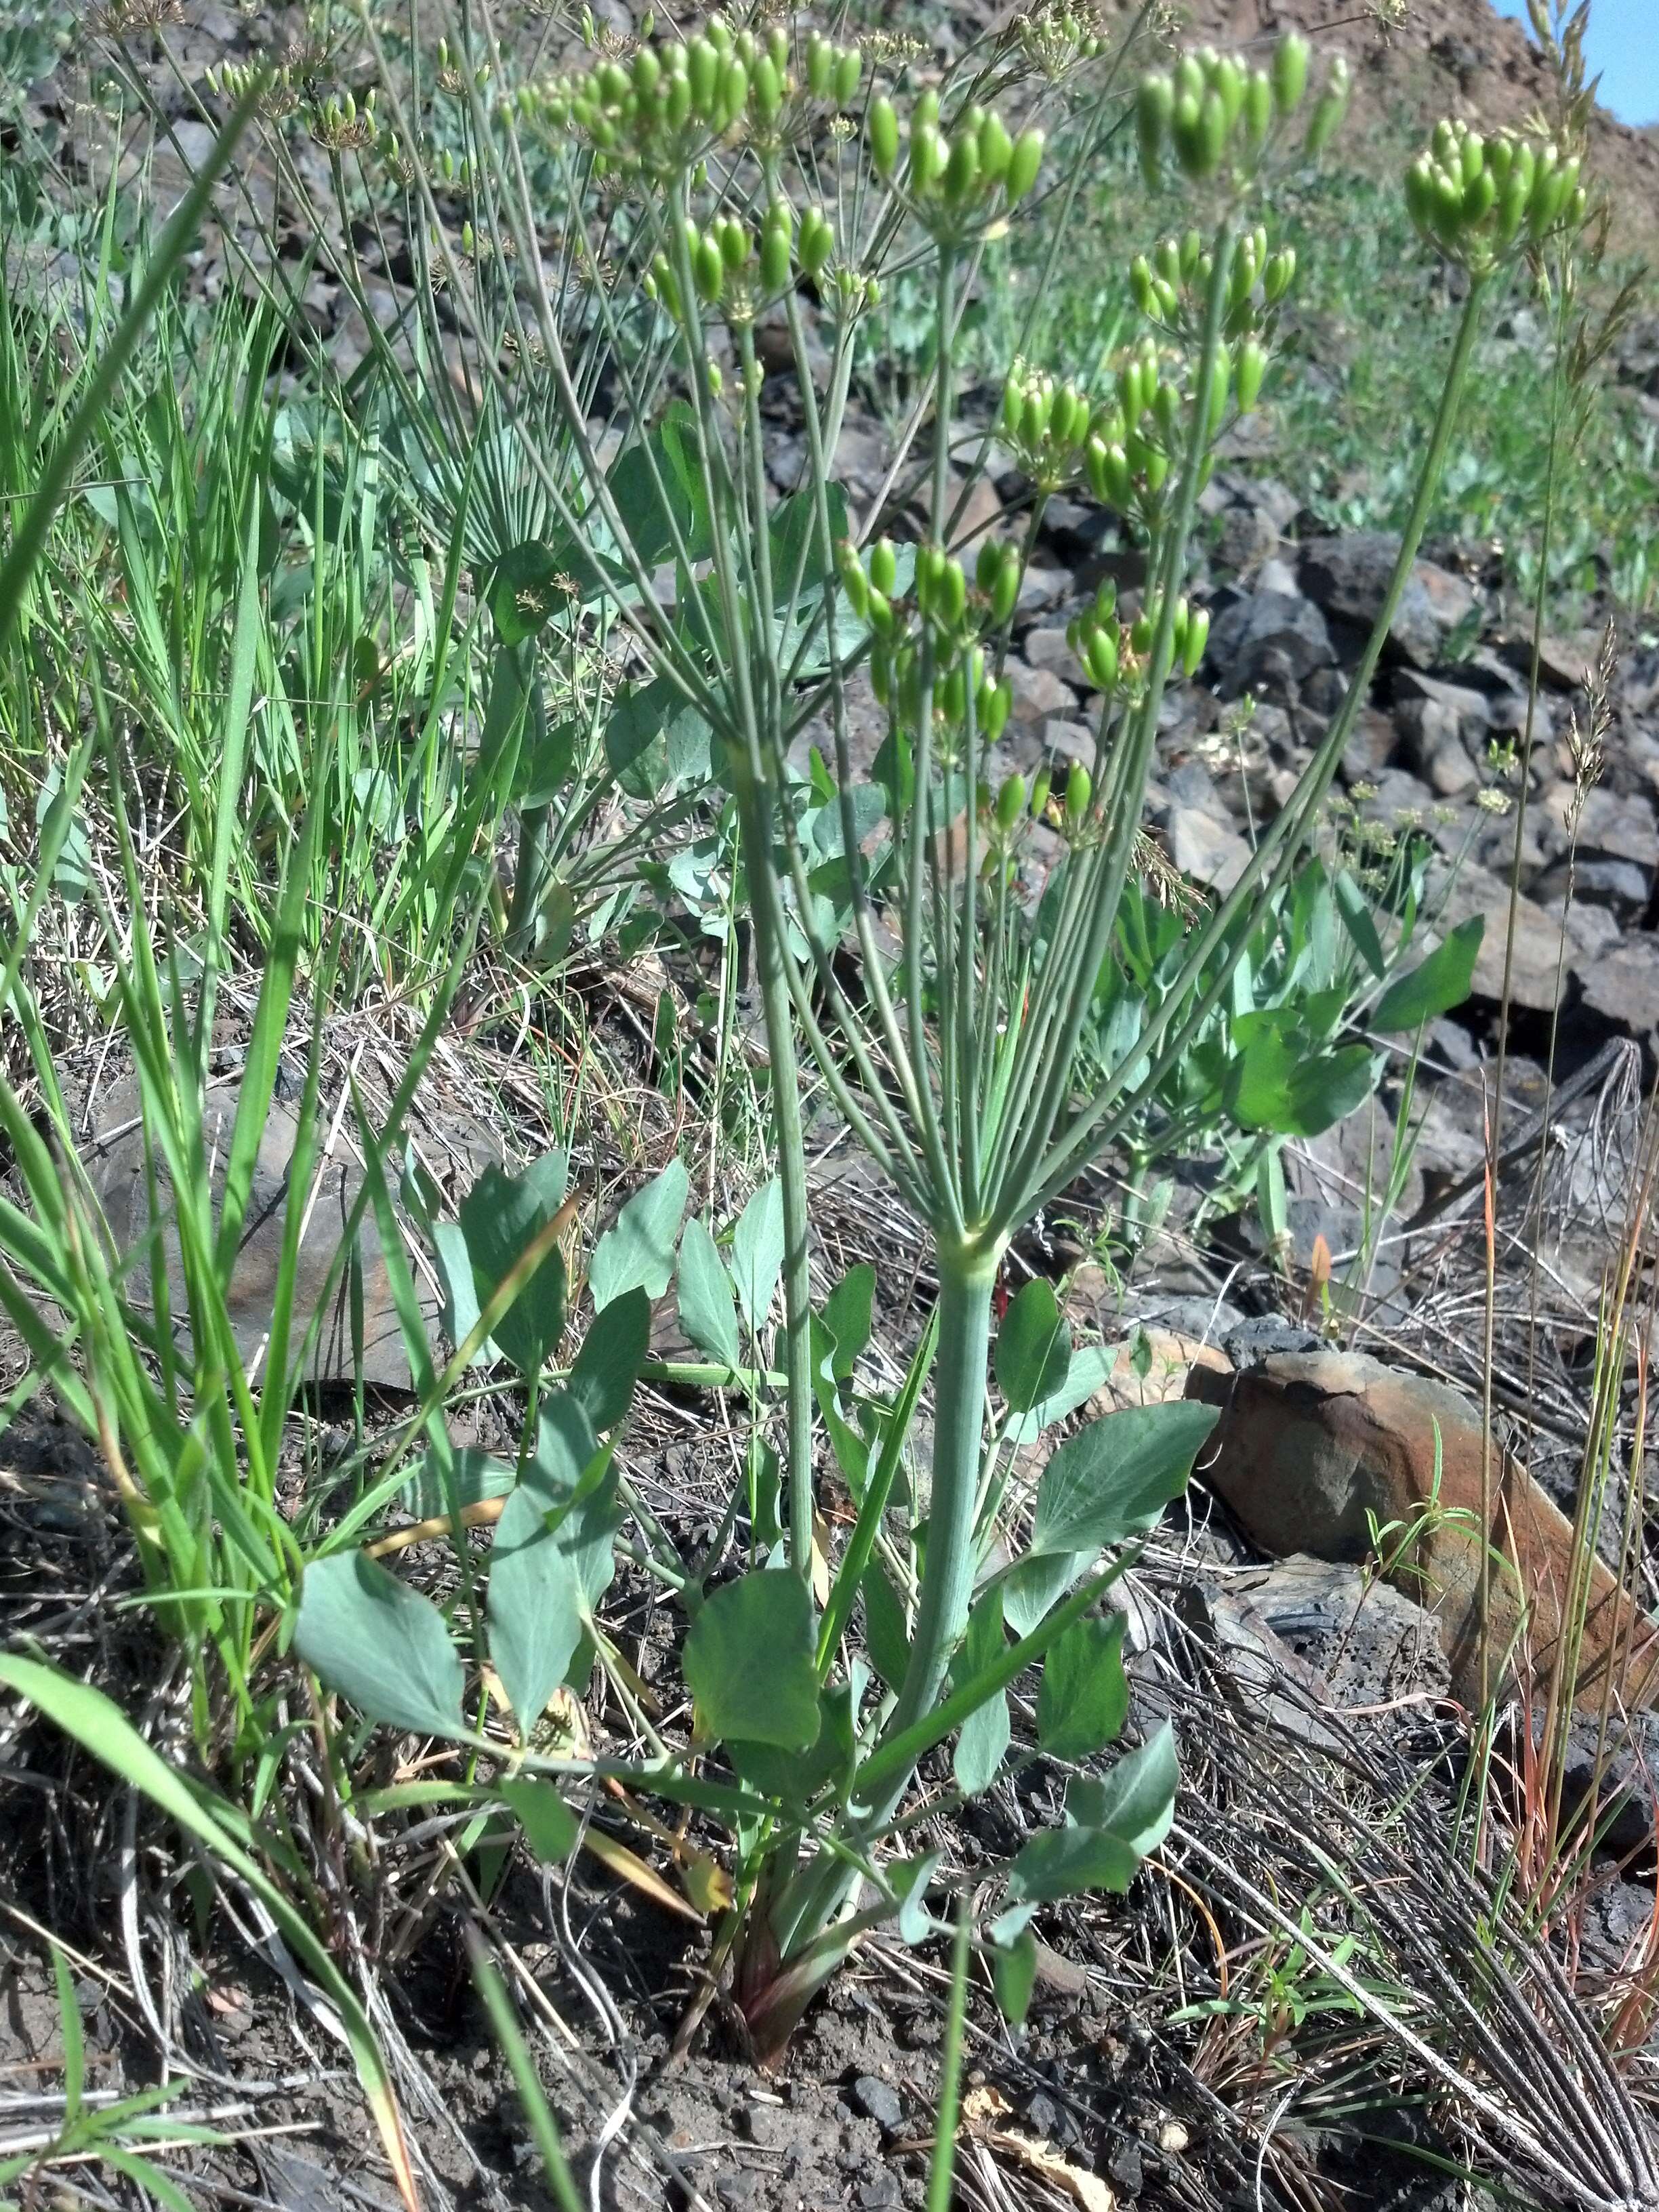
1156	469
1024	162
1109	477
1191	80
1472	156
775	257
881	613
820	68
1140	285
768	88
1011	803
1330	108
817	240
849	70
1166	410
1185	131
1100	659
1042	784
1212	135
1034	417
1196	637
1251	367
716	377
927	107
1106	600
735	244
995	150
1061	416
1227	81
734	92
1512	208
855	583
994	714
707	271
777	45
952	592
962	169
1154	113
1166	260
1479	194
648	71
1218	388
676	103
1005	593
702	74
883	565
1258	110
612	81
883	131
1079	789
928	156
951	694
1290	72
988	565
1279	274
1141	631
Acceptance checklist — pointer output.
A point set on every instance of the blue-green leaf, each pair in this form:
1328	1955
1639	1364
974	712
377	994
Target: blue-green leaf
708	1312
751	1662
379	1643
1115	1478
638	1251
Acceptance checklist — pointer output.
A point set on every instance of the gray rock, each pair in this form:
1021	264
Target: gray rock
1048	647
116	1159
1622	982
1038	693
1368	1641
1538	942
1348	574
1620	827
879	2101
1209	851
1620	886
1268	640
1043	588
1071	740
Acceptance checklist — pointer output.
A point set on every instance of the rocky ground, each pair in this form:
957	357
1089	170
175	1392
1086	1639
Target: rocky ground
1315	1695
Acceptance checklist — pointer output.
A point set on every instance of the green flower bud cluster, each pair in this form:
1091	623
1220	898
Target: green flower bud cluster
1129	459
997	573
1478	200
956	178
231	81
896	679
339	124
1095	637
1169	285
734	272
1189	633
454	176
1055	39
941	595
656	114
1216	115
456	70
1046	426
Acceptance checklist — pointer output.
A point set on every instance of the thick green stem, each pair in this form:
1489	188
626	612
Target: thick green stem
784	1067
967	1277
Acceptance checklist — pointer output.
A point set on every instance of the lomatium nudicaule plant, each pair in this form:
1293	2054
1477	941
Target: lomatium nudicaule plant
673	226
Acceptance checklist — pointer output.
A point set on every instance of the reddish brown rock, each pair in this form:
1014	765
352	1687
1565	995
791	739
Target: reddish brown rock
1314	1448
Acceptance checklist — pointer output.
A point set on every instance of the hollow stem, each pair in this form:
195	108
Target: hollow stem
967	1277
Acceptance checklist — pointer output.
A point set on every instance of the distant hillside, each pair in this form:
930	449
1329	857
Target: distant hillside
1451	57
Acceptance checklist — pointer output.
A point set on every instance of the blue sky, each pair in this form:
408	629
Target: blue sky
1624	45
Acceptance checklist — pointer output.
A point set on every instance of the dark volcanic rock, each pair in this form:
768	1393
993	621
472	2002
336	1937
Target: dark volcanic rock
1267	641
1347	576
